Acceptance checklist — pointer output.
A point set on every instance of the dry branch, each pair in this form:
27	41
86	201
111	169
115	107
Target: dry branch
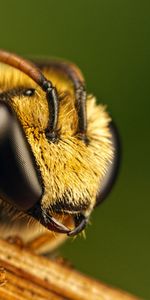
29	276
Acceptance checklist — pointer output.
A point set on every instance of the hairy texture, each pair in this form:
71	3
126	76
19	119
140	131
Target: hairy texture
71	170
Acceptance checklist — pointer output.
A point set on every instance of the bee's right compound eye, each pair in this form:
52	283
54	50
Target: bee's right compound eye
113	168
19	180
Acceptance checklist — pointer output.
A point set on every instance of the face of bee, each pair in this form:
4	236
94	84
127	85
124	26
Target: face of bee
71	167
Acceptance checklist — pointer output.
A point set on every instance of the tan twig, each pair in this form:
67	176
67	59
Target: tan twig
29	276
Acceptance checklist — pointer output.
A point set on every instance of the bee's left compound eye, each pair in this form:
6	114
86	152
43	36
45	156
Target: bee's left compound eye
113	168
19	180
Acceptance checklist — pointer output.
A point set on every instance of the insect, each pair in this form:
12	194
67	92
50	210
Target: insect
59	150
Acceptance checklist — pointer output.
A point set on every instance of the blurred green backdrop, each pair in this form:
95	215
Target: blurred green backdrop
110	41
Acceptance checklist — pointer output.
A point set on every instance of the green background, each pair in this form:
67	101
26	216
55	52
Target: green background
110	41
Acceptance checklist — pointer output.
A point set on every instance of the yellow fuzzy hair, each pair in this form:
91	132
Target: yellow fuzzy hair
69	167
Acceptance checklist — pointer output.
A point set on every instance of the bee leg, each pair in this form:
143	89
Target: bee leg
46	242
75	75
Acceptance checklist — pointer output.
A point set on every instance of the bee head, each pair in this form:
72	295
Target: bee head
53	165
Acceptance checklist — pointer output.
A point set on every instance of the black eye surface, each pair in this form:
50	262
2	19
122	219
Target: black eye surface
113	168
19	180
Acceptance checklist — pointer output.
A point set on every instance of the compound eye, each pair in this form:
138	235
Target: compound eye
113	168
19	180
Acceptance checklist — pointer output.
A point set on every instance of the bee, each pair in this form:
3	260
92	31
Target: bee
59	150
